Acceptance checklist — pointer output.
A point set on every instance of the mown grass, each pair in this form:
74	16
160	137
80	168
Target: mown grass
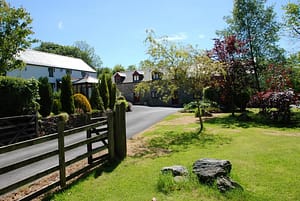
265	162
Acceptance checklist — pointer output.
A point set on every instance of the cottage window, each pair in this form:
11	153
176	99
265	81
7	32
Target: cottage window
155	76
136	78
51	72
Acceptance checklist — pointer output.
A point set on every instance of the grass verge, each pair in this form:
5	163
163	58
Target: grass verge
265	162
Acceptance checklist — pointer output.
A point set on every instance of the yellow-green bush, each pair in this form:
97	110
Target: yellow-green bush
82	103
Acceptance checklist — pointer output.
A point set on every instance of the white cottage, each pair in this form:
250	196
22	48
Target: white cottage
42	64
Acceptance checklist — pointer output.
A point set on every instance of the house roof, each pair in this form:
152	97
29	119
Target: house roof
38	58
128	75
86	80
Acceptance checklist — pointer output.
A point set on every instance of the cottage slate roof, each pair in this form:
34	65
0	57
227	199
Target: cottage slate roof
128	75
38	58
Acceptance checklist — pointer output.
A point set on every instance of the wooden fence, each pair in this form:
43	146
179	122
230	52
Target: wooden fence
109	133
18	128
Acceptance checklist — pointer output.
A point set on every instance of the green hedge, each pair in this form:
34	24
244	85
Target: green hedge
18	96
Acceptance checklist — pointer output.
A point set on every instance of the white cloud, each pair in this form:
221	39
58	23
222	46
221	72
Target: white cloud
60	25
177	37
201	36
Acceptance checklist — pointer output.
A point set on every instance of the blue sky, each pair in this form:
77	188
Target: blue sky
117	28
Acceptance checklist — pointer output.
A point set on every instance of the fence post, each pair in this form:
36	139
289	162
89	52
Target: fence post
89	146
111	141
120	131
61	152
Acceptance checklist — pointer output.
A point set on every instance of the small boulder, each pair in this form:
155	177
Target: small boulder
176	170
225	183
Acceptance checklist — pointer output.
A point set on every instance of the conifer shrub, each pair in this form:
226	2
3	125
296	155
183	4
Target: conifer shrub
46	96
103	90
66	95
96	100
82	103
18	96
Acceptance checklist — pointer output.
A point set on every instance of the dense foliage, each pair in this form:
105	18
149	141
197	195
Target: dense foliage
46	96
14	36
112	90
80	50
81	103
66	95
18	96
96	100
103	90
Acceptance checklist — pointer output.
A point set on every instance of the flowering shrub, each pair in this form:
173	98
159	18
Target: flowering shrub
276	105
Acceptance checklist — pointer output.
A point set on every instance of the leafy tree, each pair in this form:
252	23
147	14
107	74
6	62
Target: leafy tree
66	95
96	100
46	96
14	36
238	80
105	70
103	90
80	50
184	69
94	59
254	23
292	19
118	68
131	68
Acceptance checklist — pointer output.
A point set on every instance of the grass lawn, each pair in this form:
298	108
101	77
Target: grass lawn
265	162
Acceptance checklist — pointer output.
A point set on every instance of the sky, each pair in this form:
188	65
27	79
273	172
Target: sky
116	29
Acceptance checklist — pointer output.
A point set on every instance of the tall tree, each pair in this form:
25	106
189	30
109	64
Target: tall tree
292	19
237	83
118	68
15	31
253	22
184	69
94	59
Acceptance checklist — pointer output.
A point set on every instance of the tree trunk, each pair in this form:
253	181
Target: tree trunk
200	117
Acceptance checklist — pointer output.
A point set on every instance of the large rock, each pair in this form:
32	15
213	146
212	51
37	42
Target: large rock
210	170
207	170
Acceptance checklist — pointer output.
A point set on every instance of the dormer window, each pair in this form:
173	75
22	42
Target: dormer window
119	77
138	76
156	75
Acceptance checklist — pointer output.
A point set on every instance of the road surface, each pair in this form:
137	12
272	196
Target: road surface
138	120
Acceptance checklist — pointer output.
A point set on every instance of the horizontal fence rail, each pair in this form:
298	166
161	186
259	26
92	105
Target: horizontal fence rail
104	138
96	132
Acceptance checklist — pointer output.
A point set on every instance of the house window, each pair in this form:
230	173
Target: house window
136	78
51	72
155	76
154	94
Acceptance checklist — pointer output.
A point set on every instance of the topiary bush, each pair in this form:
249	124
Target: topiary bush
18	96
82	103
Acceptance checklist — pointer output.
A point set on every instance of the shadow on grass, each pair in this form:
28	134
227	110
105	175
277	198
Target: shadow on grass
96	172
253	120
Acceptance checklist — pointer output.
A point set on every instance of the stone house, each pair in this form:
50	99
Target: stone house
127	81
